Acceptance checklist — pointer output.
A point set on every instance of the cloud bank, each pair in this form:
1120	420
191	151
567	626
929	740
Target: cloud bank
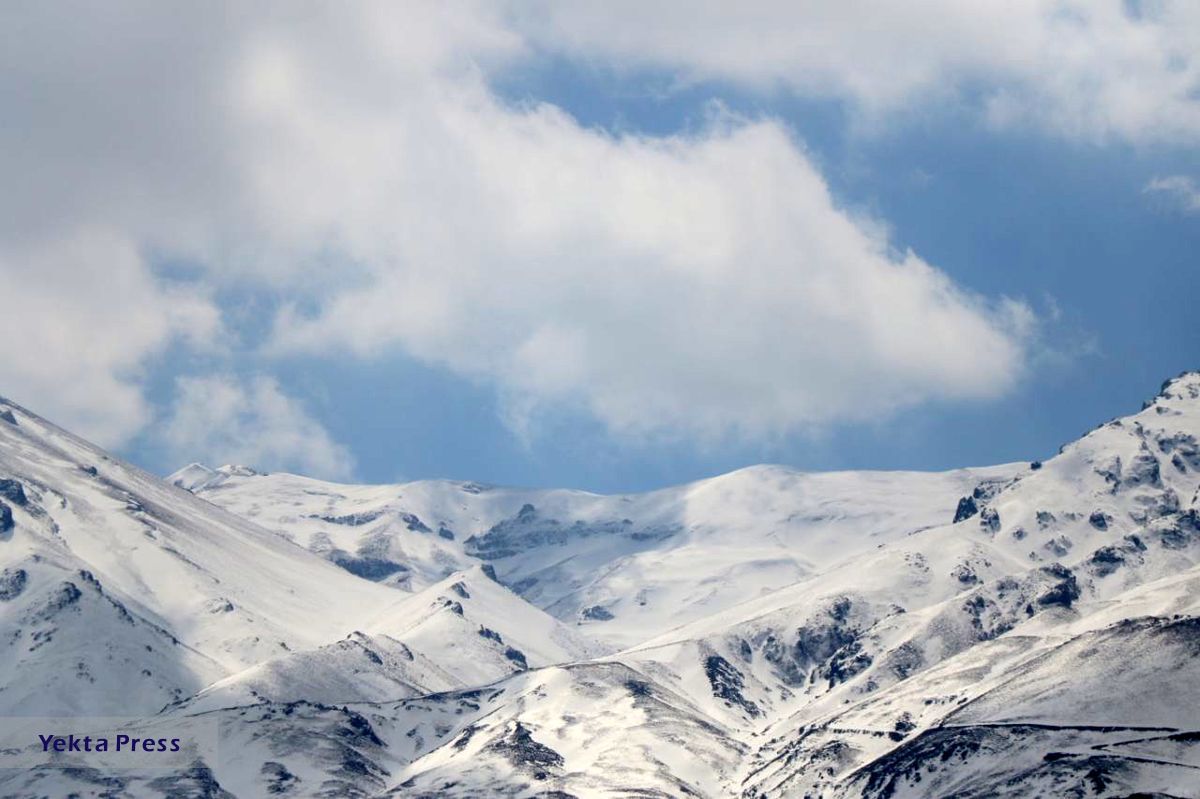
354	163
221	419
1097	70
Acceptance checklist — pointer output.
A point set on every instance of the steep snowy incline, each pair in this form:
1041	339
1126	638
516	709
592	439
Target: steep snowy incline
976	658
621	567
1100	536
119	591
468	610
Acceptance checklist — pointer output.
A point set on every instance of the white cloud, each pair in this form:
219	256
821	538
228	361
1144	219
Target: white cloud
1091	69
219	419
354	160
705	285
79	316
1181	190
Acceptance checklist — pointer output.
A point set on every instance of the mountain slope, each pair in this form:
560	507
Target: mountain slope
1025	630
622	567
104	564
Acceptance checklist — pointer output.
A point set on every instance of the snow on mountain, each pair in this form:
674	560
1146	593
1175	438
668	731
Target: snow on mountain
1024	630
484	630
622	566
358	668
1034	558
465	631
102	564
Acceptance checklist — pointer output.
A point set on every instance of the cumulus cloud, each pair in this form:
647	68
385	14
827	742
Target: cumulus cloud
1092	69
1180	190
221	419
354	162
79	315
700	285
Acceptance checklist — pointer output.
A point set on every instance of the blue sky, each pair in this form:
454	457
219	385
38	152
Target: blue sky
678	275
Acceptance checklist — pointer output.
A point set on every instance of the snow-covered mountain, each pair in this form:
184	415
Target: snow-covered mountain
1022	630
620	567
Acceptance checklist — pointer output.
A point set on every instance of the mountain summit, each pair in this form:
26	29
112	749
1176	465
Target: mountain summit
1019	630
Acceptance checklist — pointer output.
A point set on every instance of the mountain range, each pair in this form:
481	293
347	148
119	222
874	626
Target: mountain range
1027	629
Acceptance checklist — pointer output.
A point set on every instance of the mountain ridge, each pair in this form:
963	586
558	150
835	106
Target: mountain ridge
1028	629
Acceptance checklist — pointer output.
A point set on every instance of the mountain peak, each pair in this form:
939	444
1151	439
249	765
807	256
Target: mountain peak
239	470
1186	386
197	477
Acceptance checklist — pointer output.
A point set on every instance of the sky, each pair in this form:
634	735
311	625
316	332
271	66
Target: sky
606	246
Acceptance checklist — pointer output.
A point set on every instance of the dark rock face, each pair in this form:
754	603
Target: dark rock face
596	613
412	522
1058	547
6	518
815	644
446	533
779	655
966	509
1143	470
988	618
884	781
965	574
1184	531
519	748
728	683
65	596
1183	449
13	491
826	647
989	520
1154	505
490	634
351	519
1099	520
890	774
1110	470
371	655
988	489
12	583
903	726
985	752
279	779
7	416
638	688
461	590
845	663
464	738
367	568
530	529
1045	519
905	660
1064	590
517	657
358	731
1106	560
